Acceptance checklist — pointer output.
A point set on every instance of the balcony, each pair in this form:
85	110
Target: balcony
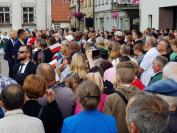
125	4
116	6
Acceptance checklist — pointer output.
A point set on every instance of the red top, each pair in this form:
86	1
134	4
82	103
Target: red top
138	83
32	40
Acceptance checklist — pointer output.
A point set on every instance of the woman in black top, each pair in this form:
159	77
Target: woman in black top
51	116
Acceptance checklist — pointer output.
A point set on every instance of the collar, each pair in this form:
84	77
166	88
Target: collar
152	49
21	41
90	111
14	112
127	88
158	73
12	40
26	62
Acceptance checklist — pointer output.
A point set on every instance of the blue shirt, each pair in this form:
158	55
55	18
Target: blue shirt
90	122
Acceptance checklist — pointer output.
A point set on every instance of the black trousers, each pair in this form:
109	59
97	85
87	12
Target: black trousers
11	64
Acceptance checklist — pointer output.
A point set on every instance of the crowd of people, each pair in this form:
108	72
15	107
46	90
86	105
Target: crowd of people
81	82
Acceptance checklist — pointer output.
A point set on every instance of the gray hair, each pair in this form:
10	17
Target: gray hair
170	71
148	112
151	41
160	60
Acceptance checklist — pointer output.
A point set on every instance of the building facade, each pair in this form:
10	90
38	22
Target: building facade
60	14
87	9
125	14
158	14
121	14
103	15
27	14
73	8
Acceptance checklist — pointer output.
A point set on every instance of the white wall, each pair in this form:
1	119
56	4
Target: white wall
107	23
151	7
104	7
64	25
42	13
16	14
104	11
41	16
49	14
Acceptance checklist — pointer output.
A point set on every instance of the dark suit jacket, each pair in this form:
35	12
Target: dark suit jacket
17	45
30	69
9	50
51	116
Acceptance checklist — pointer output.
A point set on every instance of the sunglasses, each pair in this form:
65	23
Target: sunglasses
21	52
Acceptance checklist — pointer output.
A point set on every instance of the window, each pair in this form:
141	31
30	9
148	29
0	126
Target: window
57	26
98	2
28	15
107	21
4	15
96	21
106	2
89	3
150	21
85	3
95	3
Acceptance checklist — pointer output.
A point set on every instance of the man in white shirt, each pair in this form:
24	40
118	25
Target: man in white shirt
146	69
15	121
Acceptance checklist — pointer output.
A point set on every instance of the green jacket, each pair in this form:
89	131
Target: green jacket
156	77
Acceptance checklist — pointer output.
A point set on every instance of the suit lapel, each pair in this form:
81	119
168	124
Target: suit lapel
27	67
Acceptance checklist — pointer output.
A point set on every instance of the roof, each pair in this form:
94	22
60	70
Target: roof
60	10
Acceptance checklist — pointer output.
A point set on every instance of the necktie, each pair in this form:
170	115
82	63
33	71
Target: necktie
21	67
13	42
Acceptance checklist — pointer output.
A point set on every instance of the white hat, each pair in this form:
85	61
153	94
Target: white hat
69	38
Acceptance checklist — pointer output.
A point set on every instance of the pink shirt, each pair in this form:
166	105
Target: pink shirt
110	75
100	106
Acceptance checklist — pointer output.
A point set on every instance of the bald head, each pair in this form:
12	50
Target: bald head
12	97
170	71
13	34
46	71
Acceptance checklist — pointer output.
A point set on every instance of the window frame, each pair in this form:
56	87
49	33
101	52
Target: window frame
5	13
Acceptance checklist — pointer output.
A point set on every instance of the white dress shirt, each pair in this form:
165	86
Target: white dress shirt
13	41
17	122
23	67
146	65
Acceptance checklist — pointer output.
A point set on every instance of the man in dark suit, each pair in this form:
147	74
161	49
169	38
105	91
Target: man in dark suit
21	37
26	66
10	52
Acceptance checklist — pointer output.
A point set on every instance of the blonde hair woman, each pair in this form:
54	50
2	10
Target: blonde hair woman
115	51
79	65
96	77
